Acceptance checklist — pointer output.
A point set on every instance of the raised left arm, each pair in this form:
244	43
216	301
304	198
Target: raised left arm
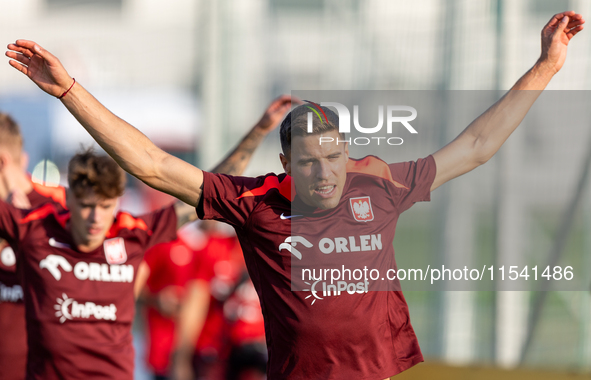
485	135
236	161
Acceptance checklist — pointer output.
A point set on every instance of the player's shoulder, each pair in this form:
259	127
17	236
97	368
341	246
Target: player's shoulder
271	184
42	194
125	221
374	167
43	212
268	185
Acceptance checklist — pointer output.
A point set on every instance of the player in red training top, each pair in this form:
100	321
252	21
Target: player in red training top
231	344
245	354
71	253
231	340
13	345
166	277
175	269
248	350
77	270
373	340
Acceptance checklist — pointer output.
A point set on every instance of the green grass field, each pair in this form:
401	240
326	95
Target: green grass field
560	341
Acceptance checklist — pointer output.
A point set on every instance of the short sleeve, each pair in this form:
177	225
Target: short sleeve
416	178
161	225
232	199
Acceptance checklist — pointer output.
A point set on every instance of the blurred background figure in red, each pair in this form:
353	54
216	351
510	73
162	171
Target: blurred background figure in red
232	343
203	315
162	284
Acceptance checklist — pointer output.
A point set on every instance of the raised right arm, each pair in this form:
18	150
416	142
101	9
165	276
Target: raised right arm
132	150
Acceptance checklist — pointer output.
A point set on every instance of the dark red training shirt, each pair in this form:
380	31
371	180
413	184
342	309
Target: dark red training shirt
13	344
312	335
80	306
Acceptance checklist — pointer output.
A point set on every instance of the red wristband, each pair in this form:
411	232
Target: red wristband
68	90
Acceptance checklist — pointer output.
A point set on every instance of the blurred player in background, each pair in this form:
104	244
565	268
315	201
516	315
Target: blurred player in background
78	267
174	280
175	271
356	335
24	194
77	270
203	270
233	338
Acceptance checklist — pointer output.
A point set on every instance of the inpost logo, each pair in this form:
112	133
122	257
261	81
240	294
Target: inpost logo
67	309
392	116
320	289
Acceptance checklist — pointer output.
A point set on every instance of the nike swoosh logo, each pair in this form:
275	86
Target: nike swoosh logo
57	244
288	216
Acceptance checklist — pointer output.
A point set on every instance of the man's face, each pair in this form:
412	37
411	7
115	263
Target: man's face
91	218
319	171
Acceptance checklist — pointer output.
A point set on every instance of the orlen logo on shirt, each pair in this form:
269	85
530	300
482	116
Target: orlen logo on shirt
320	289
68	309
363	243
83	271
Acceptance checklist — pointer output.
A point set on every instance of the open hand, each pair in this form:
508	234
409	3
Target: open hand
275	112
556	35
40	66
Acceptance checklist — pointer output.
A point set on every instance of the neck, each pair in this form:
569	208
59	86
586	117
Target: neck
88	247
82	244
4	193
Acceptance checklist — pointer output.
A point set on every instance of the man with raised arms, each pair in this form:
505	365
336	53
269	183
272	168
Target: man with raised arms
77	268
353	336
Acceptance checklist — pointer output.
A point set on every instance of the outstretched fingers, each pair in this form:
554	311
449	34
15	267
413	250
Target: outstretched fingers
26	52
575	20
555	20
573	32
19	57
43	68
26	44
562	25
35	49
570	25
19	66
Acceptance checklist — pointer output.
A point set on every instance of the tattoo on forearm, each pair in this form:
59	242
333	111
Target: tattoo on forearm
236	161
184	213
